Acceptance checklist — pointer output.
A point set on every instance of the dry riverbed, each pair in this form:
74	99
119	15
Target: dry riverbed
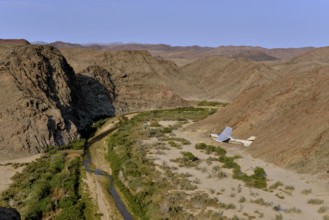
288	195
98	185
205	189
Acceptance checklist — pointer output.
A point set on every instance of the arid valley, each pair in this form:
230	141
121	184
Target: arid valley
121	131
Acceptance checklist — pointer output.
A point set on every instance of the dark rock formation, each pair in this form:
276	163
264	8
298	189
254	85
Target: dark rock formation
37	99
142	82
9	214
97	94
43	102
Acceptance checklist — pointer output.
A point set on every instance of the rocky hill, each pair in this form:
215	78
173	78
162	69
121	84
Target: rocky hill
316	56
44	102
259	53
97	94
37	99
185	55
251	53
288	116
141	81
61	44
182	55
13	42
222	79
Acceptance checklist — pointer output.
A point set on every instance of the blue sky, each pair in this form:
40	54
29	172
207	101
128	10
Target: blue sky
267	23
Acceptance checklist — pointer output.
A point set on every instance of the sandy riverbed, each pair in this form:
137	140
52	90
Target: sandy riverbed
291	199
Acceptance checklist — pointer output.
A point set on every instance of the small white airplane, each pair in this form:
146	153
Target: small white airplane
226	137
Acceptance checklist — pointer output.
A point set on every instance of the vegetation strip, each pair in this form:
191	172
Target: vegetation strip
118	202
50	187
134	174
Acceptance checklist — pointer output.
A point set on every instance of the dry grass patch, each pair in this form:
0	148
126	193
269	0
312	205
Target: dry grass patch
293	210
306	191
315	201
323	209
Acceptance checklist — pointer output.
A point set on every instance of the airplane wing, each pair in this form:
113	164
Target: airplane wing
225	135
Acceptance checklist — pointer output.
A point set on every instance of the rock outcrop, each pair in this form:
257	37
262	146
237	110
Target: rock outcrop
97	95
9	214
37	99
141	81
223	79
44	102
289	115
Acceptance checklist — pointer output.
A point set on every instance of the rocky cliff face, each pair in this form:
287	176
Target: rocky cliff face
43	102
141	81
37	99
97	94
289	116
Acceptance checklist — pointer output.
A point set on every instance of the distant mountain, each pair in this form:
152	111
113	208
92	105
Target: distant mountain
13	42
183	55
252	53
259	53
39	43
60	44
318	55
223	78
287	53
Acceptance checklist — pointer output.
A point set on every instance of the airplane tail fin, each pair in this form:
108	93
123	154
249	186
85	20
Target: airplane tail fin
252	138
247	143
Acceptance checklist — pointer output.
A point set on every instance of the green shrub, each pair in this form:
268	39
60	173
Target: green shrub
45	205
229	162
259	173
166	130
74	212
154	133
76	145
259	178
220	151
210	103
33	189
154	124
141	180
188	156
99	123
174	144
211	149
200	146
32	211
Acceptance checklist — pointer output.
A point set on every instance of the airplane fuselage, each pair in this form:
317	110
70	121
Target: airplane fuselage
231	140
